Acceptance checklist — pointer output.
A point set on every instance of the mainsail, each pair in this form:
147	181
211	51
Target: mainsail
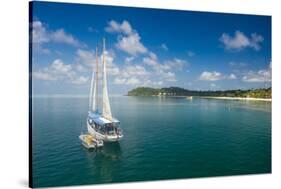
95	95
106	111
91	91
93	101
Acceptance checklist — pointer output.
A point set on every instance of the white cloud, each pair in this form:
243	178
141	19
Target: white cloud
151	60
256	39
39	49
135	70
41	35
163	71
157	83
133	81
169	76
129	40
153	55
232	76
164	47
128	74
137	81
132	75
129	59
80	80
81	68
58	70
60	36
58	67
40	75
115	27
119	81
214	76
240	41
259	76
176	63
86	57
131	44
210	76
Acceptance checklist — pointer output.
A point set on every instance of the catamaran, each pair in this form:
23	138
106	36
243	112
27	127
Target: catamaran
102	125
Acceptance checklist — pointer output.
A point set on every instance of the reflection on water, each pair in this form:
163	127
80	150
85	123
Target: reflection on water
111	151
101	160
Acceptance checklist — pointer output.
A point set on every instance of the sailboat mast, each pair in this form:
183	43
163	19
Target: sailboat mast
106	110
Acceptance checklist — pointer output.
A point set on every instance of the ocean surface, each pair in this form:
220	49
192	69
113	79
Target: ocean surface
164	138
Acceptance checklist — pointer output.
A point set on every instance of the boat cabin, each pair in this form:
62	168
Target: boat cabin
103	125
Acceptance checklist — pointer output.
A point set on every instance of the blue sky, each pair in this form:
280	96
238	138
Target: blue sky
147	47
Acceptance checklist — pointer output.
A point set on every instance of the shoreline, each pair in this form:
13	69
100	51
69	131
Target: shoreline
222	98
237	98
188	97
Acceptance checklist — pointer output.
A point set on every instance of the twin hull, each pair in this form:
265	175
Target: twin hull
105	138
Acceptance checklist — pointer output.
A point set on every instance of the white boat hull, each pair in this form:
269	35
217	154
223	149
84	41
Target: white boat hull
105	138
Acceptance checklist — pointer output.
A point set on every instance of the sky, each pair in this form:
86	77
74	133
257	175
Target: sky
147	47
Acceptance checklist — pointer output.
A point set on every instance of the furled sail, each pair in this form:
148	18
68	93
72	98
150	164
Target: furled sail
106	111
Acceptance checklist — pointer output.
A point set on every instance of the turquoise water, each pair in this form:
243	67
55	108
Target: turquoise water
164	138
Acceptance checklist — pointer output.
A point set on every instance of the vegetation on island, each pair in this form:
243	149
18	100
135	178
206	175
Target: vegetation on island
177	91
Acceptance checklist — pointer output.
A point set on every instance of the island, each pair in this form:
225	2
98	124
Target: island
251	94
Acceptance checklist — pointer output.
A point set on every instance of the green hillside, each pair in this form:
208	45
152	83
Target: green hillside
177	91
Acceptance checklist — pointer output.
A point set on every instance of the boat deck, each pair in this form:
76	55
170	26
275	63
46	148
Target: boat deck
90	142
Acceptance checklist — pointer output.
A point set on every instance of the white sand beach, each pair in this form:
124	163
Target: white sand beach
238	98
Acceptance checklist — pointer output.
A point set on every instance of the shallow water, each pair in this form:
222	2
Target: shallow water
164	138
